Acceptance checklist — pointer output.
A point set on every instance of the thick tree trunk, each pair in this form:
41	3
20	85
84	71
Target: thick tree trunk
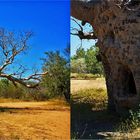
117	27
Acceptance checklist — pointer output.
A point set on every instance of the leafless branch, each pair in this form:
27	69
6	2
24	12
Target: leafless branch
126	4
23	81
81	34
11	46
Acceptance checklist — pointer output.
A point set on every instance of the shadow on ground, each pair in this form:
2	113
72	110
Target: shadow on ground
16	109
88	123
9	109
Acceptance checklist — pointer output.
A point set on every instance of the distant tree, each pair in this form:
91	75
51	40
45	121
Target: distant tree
85	61
92	64
80	53
57	81
78	65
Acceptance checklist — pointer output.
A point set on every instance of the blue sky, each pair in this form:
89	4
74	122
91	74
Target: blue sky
49	20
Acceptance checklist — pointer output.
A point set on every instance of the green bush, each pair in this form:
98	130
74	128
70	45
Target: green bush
8	90
85	61
57	81
55	84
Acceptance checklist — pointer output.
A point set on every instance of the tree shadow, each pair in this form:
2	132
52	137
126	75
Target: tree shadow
88	123
16	109
10	109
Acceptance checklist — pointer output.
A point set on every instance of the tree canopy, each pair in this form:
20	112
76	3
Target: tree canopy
57	81
85	61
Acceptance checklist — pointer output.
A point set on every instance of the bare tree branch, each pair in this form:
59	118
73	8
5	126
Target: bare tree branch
23	81
11	46
80	33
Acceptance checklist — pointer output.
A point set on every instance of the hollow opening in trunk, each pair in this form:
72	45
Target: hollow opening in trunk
131	84
128	82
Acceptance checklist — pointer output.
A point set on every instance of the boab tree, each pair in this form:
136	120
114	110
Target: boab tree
116	25
12	45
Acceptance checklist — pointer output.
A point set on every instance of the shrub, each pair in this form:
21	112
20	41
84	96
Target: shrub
8	90
57	81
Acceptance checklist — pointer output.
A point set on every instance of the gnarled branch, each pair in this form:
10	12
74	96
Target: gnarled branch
24	81
80	32
11	46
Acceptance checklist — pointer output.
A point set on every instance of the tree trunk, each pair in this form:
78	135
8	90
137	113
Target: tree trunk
117	27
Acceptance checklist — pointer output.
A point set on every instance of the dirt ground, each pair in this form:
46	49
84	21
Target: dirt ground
77	85
35	120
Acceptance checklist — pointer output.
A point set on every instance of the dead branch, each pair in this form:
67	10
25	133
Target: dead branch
11	46
24	81
81	34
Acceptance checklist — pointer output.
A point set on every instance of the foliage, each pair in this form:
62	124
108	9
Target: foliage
80	53
8	90
78	65
86	61
93	66
57	81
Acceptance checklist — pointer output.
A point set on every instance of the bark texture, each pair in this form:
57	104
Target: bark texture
117	27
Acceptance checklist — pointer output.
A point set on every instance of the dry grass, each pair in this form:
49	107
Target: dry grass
7	100
85	76
35	120
97	98
90	117
77	85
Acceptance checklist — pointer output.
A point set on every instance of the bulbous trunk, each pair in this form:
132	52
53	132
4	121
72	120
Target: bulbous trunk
117	27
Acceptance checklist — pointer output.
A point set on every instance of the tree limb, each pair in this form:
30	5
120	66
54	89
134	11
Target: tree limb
11	46
81	34
23	81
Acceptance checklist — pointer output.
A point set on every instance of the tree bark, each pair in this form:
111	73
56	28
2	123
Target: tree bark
116	24
82	9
